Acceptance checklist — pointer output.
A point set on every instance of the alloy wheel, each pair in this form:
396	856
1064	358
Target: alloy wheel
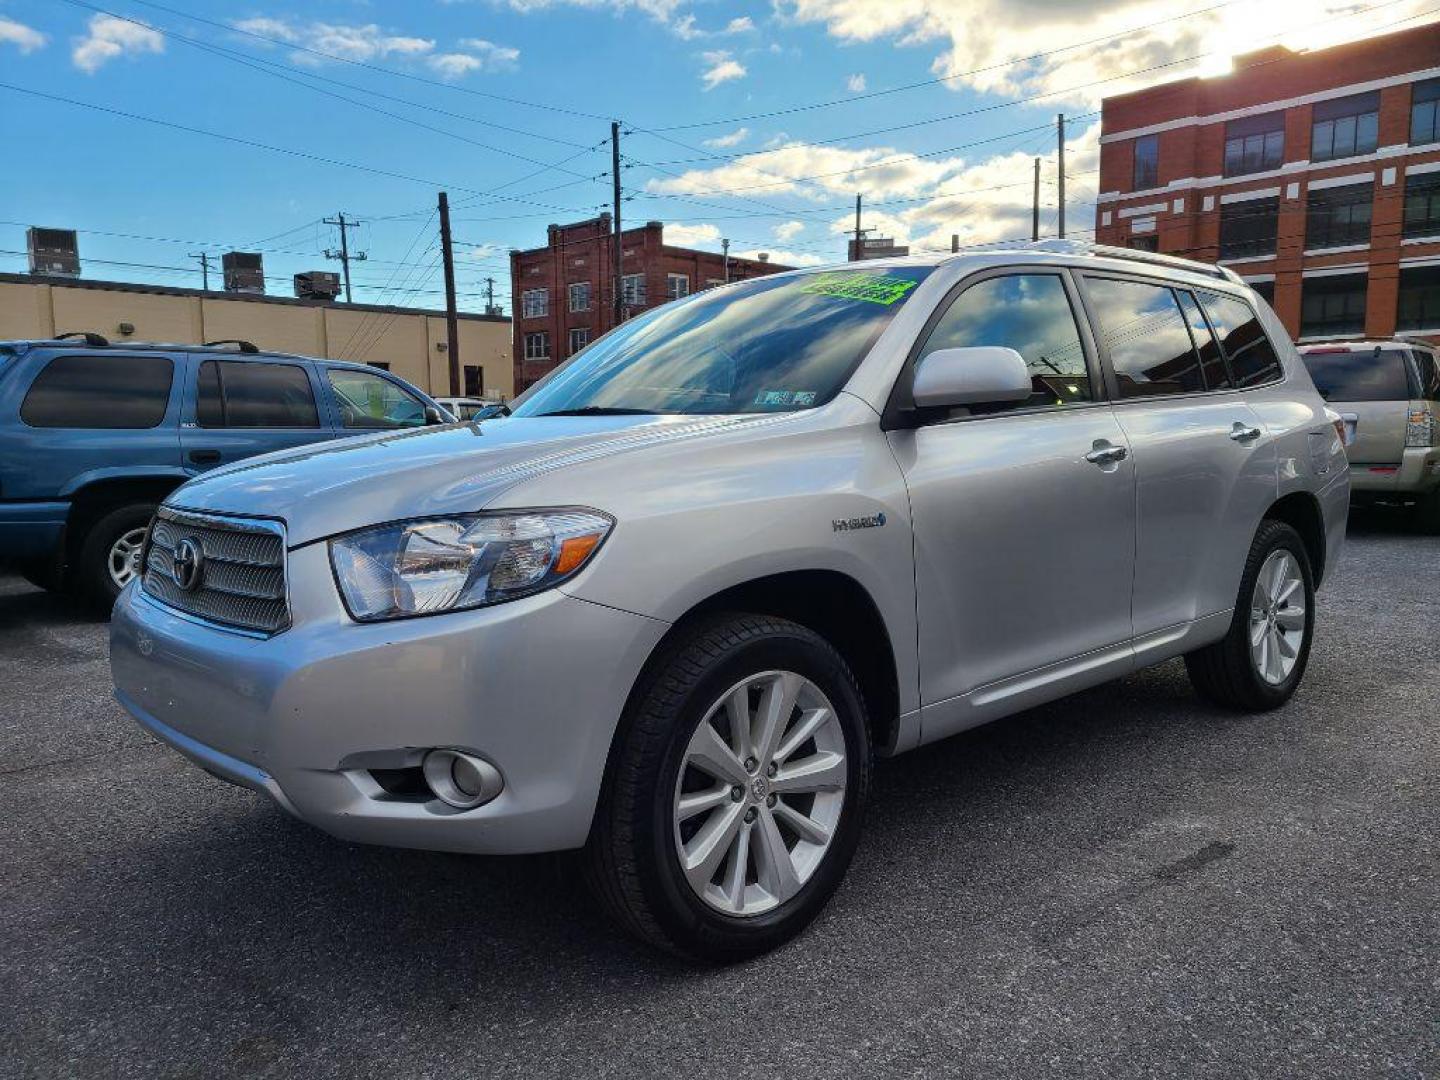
1277	617
124	558
760	793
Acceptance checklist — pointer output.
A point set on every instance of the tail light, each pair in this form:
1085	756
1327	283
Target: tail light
1421	428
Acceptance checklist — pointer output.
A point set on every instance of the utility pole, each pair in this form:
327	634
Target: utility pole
490	308
344	253
954	243
859	232
619	267
452	320
204	270
725	249
1060	178
1035	205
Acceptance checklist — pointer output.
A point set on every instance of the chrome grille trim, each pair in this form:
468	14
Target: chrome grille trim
242	585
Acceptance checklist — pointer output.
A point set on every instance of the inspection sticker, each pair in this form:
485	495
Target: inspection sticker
800	399
872	288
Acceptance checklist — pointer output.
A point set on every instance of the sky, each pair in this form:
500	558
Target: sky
165	128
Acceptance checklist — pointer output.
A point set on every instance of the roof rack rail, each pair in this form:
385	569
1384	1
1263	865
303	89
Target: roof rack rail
240	343
92	339
1110	251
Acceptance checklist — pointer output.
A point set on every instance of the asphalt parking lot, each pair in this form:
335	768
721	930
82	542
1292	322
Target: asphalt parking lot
1123	884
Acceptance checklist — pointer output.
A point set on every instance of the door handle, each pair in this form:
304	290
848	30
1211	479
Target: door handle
1243	433
1106	453
205	457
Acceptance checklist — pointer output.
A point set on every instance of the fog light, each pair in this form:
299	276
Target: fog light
461	780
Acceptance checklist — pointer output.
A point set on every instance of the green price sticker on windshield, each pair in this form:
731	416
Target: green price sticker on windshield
872	288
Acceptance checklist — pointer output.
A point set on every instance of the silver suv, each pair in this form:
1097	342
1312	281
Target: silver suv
1388	392
671	609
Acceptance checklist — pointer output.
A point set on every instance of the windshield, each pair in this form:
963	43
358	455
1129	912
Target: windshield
773	344
1359	374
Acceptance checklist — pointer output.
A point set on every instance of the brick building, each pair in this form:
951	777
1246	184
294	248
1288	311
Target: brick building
1313	175
563	293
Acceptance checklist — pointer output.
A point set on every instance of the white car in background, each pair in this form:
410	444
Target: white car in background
467	408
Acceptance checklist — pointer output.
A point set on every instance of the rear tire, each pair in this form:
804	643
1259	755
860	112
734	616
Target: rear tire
646	858
1260	661
101	571
1427	513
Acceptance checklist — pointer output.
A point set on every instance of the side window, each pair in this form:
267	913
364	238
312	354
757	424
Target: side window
1147	337
368	401
1253	359
1031	314
100	392
252	394
1212	361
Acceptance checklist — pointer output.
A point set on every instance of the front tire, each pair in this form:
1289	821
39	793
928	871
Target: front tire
1260	661
736	790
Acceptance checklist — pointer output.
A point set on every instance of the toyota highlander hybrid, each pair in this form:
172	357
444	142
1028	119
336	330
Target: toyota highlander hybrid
670	609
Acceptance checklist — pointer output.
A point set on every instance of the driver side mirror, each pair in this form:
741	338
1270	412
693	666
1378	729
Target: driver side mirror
978	375
434	415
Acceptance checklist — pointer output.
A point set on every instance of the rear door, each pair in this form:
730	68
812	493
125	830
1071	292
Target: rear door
1375	386
1205	468
239	407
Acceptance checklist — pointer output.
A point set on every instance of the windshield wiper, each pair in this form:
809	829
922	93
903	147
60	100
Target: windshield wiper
599	410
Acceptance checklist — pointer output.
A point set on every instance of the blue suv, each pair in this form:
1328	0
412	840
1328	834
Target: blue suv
93	435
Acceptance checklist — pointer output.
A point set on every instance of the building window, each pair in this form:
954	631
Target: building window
1419	307
1422	205
474	381
632	290
1337	216
1254	144
535	303
580	296
677	286
537	346
1147	163
579	338
1248	229
1333	306
383	365
1265	290
1144	242
1425	112
711	282
1345	127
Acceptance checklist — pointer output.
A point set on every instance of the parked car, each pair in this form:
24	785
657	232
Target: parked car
673	606
1389	392
467	409
94	435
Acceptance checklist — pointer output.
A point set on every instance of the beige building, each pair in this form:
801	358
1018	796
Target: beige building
407	341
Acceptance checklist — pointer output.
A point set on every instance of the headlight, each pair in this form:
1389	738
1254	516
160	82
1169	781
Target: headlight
466	561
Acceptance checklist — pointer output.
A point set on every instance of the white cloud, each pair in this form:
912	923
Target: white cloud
788	230
735	138
109	37
360	43
481	55
722	68
856	83
23	37
742	25
981	34
785	258
662	11
685	29
690	235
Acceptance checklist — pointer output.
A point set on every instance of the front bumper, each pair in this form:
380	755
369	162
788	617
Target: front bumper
535	686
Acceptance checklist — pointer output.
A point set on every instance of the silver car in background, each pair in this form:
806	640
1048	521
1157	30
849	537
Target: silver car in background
671	609
1388	392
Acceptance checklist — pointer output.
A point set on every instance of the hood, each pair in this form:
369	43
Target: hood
333	487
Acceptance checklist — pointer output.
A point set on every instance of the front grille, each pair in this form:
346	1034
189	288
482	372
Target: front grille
242	571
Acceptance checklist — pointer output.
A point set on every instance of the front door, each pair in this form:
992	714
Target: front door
1024	517
238	408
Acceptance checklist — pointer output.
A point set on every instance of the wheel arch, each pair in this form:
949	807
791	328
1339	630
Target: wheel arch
1301	511
96	499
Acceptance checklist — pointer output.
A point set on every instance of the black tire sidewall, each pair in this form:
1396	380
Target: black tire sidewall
93	573
683	916
1276	536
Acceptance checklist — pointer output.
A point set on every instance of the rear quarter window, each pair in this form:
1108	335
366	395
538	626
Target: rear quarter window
1359	374
1252	356
100	392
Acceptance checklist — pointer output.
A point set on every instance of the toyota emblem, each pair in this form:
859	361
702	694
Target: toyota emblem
187	563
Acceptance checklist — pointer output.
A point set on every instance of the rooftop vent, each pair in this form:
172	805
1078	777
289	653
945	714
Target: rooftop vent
54	252
244	271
